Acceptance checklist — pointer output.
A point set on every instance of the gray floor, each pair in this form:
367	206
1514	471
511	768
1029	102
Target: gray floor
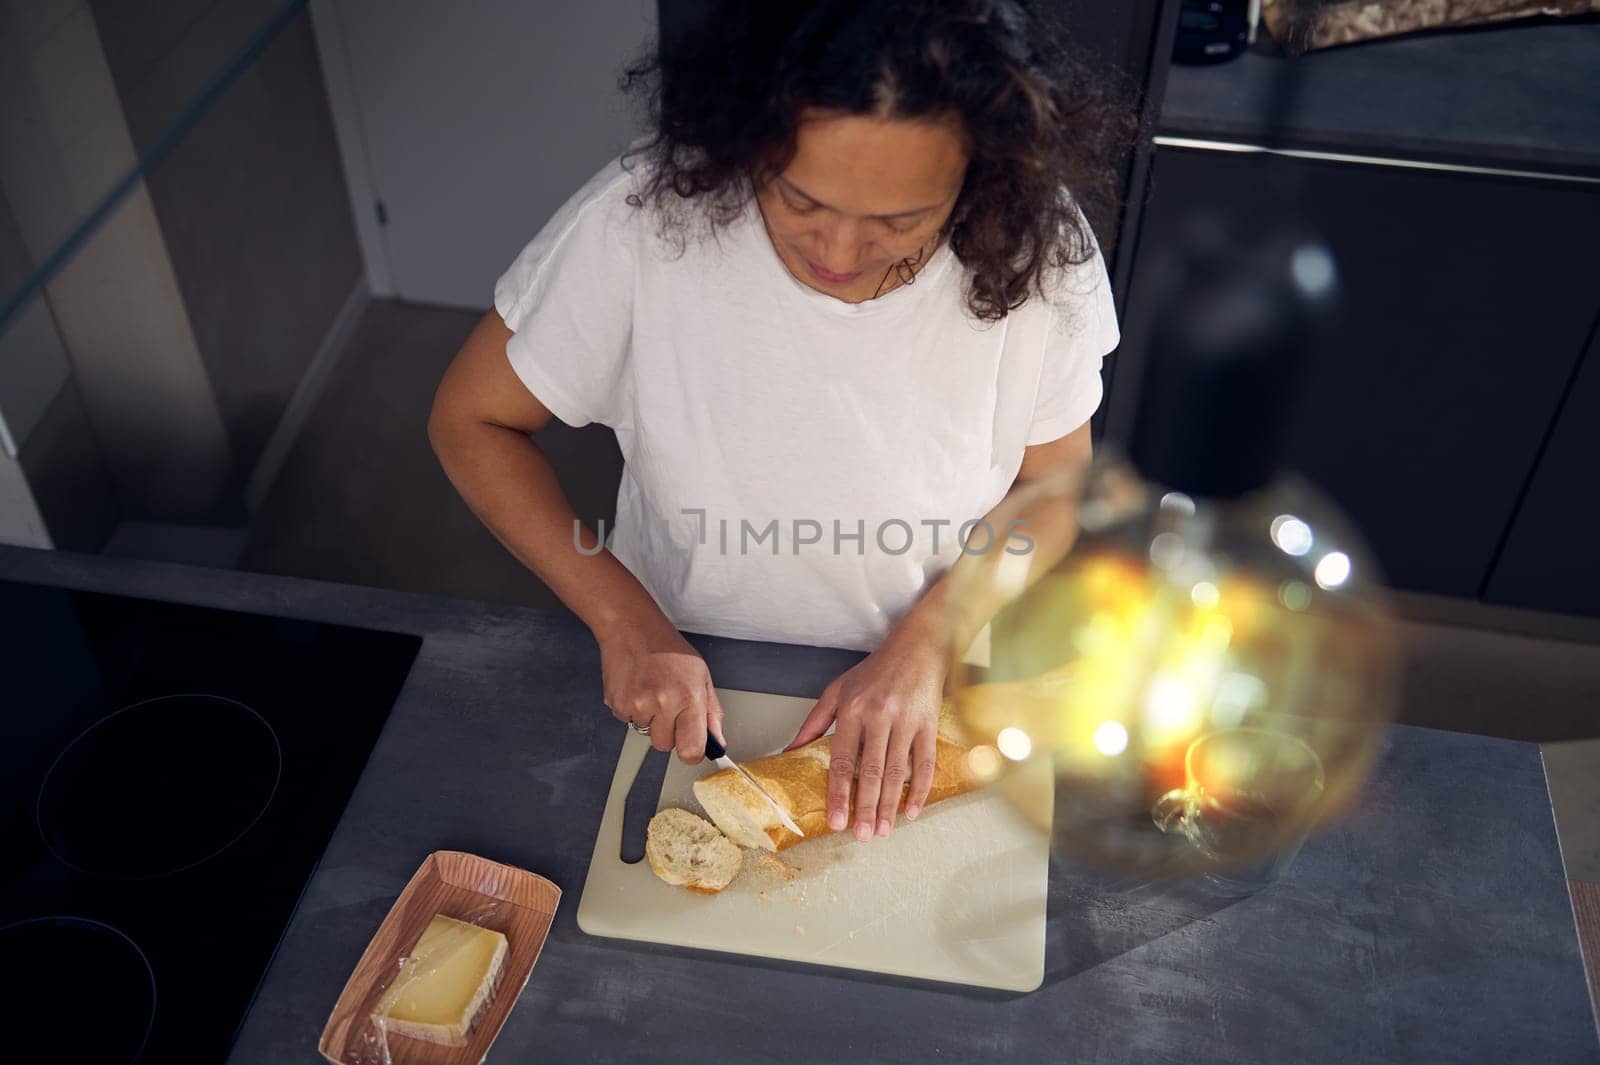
361	499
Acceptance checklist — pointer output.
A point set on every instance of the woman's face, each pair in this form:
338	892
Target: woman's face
860	195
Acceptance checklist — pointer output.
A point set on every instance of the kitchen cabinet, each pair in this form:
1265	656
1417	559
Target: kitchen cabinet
1456	184
1467	300
1130	43
1506	95
1551	557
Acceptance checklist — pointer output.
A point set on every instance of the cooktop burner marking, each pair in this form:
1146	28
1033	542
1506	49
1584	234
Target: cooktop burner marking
87	991
159	786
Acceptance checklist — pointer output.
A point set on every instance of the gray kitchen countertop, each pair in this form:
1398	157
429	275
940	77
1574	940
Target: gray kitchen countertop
1434	926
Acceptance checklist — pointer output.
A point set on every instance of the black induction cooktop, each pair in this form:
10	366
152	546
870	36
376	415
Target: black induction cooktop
169	776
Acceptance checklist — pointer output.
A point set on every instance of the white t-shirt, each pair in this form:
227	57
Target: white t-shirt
789	456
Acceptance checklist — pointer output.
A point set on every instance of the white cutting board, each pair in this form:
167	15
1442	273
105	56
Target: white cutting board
957	895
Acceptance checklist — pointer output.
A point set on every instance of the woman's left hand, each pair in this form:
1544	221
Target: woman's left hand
887	710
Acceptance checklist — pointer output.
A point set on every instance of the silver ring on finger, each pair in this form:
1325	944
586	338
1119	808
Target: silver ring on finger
643	730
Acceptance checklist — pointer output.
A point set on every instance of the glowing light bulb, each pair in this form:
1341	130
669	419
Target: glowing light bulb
1177	502
1333	569
1237	695
984	761
1171	709
1175	626
1312	269
1014	743
1166	550
1294	595
1111	738
1292	535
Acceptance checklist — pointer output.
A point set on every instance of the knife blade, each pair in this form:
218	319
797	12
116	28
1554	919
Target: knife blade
719	754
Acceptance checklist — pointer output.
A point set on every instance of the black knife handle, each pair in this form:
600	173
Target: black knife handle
714	750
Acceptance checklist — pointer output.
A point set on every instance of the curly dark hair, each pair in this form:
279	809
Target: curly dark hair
1047	129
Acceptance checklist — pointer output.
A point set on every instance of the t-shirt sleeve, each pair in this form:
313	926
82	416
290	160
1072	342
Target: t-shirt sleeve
568	300
1081	333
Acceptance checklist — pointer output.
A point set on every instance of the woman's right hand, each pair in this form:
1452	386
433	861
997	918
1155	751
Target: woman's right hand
654	679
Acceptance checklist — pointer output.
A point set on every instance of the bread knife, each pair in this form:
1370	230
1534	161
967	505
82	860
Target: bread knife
718	754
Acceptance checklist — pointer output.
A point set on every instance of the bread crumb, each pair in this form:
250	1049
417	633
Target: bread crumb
771	864
763	896
799	930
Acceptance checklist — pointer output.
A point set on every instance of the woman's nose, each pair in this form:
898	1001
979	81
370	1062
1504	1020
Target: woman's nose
842	247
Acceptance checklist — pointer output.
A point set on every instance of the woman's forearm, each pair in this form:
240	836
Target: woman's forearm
1048	527
510	485
1049	530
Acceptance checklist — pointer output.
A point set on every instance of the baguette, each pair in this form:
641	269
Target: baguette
798	780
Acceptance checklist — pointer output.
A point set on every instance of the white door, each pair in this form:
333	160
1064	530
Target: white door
473	120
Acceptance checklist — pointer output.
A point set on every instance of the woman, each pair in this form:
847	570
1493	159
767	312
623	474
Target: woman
843	306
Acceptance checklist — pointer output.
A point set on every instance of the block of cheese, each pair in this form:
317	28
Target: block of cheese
445	983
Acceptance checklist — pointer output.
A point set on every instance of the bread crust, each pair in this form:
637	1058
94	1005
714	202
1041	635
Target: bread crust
798	780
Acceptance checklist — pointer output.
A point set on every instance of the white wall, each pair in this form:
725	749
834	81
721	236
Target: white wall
472	122
117	314
20	522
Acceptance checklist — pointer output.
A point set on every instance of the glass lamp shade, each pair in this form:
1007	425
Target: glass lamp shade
1170	686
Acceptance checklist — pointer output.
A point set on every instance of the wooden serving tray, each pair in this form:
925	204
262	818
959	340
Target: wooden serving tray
513	901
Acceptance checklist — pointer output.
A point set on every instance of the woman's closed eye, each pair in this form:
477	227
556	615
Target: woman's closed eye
794	207
894	225
903	226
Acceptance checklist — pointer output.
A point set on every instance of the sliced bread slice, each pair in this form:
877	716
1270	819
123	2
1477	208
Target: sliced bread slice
687	850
